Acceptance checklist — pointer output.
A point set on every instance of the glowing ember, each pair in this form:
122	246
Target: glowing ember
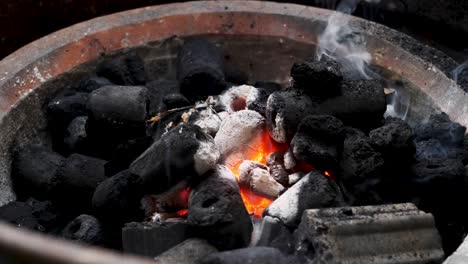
182	213
257	151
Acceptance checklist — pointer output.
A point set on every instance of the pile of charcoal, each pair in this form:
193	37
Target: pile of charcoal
144	167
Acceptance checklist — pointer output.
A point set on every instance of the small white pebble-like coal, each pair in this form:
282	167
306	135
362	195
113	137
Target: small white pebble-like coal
238	130
211	122
246	167
257	177
239	96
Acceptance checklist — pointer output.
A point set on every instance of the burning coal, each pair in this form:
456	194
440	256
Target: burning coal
257	150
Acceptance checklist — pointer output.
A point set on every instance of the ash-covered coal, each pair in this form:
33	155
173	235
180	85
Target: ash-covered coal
285	110
182	154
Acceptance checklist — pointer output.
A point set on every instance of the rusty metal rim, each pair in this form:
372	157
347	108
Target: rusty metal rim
48	57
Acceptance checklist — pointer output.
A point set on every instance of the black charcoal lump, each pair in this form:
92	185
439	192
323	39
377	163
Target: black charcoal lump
361	166
187	252
200	69
362	103
317	140
21	215
124	105
35	171
284	112
152	238
440	127
117	114
318	78
157	90
126	153
127	69
393	138
80	175
264	255
92	83
183	153
217	213
117	199
65	108
175	100
85	229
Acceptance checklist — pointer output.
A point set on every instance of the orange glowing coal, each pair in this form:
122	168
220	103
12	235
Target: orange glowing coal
258	150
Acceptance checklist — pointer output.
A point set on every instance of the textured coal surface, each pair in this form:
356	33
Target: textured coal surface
107	164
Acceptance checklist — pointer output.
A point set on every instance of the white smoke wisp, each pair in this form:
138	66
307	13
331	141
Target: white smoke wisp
344	44
398	103
458	70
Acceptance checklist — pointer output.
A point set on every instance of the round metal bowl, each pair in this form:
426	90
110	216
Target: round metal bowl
34	73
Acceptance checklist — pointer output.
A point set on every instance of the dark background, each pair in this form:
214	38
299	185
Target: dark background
440	23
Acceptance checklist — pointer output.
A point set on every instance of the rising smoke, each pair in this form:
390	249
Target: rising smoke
459	70
344	44
348	47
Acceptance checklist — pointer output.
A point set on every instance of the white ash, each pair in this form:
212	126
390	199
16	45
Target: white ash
206	157
295	177
211	122
246	93
239	130
289	160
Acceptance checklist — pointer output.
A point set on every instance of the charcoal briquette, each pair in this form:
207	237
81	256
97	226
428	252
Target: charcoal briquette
362	104
217	213
80	175
85	229
264	255
318	78
92	83
21	215
35	171
184	153
117	199
440	127
200	69
126	69
284	112
175	100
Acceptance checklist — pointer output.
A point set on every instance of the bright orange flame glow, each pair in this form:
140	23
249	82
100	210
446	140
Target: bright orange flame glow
258	150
